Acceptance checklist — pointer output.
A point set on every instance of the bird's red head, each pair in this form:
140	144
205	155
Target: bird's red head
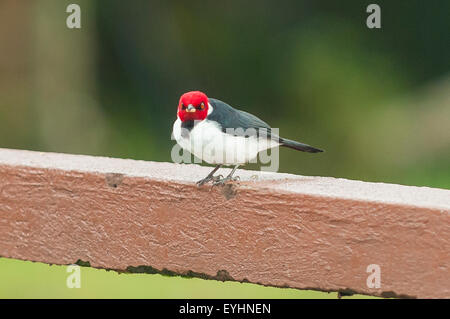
193	106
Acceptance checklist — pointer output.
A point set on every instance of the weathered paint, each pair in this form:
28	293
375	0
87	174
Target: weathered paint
280	230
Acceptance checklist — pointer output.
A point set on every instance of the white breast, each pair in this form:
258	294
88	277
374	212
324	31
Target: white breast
207	142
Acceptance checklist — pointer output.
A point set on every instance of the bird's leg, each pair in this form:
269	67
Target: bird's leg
210	176
228	178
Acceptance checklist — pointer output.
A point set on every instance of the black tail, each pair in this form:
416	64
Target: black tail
299	146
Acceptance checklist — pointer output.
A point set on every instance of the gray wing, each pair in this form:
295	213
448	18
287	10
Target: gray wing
229	117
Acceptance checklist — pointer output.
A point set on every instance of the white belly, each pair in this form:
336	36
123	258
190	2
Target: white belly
208	143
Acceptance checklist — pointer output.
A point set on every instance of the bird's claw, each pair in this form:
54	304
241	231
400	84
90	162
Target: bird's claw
223	181
217	178
209	178
202	181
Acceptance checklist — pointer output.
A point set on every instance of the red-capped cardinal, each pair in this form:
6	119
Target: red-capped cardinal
218	134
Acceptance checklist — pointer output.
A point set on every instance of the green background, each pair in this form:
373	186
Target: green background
25	279
377	100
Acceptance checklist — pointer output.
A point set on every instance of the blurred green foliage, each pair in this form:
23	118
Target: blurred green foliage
378	101
24	279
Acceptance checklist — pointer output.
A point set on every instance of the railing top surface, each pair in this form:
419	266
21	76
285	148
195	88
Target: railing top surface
182	173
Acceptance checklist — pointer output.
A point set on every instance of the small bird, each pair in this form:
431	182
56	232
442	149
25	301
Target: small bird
219	134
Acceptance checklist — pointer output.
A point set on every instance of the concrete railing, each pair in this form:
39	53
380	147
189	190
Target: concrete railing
273	229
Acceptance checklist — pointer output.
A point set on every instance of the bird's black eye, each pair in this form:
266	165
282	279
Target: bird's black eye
183	106
202	106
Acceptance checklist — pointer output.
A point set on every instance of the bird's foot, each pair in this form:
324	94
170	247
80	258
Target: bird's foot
209	178
225	180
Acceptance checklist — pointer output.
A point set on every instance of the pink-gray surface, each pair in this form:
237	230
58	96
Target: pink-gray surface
269	228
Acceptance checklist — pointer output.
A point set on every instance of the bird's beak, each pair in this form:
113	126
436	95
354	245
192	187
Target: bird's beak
190	108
